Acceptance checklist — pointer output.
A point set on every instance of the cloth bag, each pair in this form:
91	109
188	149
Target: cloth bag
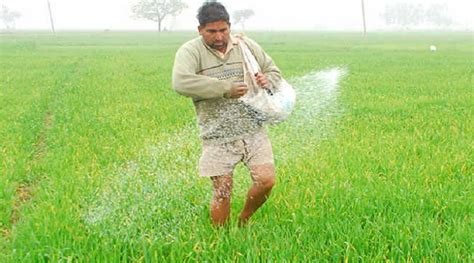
274	105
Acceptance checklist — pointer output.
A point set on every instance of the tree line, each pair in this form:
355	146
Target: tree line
404	15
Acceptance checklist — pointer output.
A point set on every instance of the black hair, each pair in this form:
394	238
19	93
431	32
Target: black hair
212	12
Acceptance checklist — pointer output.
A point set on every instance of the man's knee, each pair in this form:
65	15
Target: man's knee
222	195
267	182
264	175
222	188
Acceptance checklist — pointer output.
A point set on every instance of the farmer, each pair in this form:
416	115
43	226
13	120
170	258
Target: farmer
209	69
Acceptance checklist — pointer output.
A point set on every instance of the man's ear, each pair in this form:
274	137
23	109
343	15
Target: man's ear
200	29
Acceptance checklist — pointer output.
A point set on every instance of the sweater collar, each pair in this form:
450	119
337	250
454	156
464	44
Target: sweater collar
233	42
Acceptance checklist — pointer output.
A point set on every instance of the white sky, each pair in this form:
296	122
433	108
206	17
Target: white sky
270	15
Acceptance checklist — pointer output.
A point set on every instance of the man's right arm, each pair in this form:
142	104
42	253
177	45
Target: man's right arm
190	84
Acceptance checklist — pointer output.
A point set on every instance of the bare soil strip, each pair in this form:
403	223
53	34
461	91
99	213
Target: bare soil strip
23	192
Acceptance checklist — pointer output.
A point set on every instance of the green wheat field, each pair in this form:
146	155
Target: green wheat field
98	155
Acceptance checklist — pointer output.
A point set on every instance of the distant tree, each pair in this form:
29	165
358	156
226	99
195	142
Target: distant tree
157	10
435	15
404	14
8	17
240	16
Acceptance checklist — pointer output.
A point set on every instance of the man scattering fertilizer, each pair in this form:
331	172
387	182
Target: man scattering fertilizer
210	70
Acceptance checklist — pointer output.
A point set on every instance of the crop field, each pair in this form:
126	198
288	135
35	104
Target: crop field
98	155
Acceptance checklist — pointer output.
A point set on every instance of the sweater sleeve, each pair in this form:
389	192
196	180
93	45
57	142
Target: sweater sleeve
187	82
268	67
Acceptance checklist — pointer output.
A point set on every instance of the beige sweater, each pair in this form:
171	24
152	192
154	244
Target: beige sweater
204	75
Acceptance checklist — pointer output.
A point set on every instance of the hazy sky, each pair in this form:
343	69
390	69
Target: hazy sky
270	15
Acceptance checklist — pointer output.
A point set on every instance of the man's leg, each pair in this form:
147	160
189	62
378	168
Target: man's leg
220	203
263	177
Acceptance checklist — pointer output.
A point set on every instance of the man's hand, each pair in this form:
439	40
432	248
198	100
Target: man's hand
238	90
262	81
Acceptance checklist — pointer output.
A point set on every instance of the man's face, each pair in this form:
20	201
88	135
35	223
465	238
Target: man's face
216	34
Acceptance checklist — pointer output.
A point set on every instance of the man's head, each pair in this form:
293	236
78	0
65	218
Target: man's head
214	25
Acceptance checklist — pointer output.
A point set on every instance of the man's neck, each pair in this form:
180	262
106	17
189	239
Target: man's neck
222	50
